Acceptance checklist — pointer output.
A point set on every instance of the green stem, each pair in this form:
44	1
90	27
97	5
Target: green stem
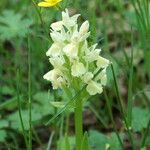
29	96
112	119
145	135
20	114
78	123
122	107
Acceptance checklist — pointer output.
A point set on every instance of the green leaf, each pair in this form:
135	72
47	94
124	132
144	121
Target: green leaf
7	90
61	104
67	143
140	118
99	141
15	120
85	142
43	105
10	104
13	25
113	142
3	135
43	96
3	123
58	104
62	143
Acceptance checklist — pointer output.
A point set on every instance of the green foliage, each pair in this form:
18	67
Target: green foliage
15	120
13	25
85	142
41	107
3	135
3	124
140	118
67	143
6	90
63	143
99	141
42	104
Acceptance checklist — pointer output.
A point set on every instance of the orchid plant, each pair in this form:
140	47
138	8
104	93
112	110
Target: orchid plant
75	64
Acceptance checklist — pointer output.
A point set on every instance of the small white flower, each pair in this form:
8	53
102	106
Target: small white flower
52	75
54	50
93	55
71	50
56	77
57	62
94	88
87	77
102	77
102	62
77	69
69	21
84	37
58	82
57	26
84	28
75	37
57	37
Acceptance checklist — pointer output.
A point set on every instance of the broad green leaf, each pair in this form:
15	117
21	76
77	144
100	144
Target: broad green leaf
140	118
99	141
13	25
43	104
15	120
113	142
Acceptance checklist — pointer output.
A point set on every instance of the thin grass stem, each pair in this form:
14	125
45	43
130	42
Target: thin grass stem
145	135
98	116
122	107
50	141
130	87
29	96
112	119
37	138
20	114
40	16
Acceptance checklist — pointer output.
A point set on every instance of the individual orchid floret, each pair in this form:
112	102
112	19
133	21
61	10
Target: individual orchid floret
77	69
74	62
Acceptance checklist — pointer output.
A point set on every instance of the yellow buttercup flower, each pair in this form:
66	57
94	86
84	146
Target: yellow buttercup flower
49	3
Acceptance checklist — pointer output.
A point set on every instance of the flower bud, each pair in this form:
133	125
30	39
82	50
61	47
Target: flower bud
84	28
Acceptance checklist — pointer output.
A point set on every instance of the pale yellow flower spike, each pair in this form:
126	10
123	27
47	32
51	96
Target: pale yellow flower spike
49	3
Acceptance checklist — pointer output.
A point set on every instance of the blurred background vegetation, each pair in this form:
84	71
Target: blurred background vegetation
120	27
